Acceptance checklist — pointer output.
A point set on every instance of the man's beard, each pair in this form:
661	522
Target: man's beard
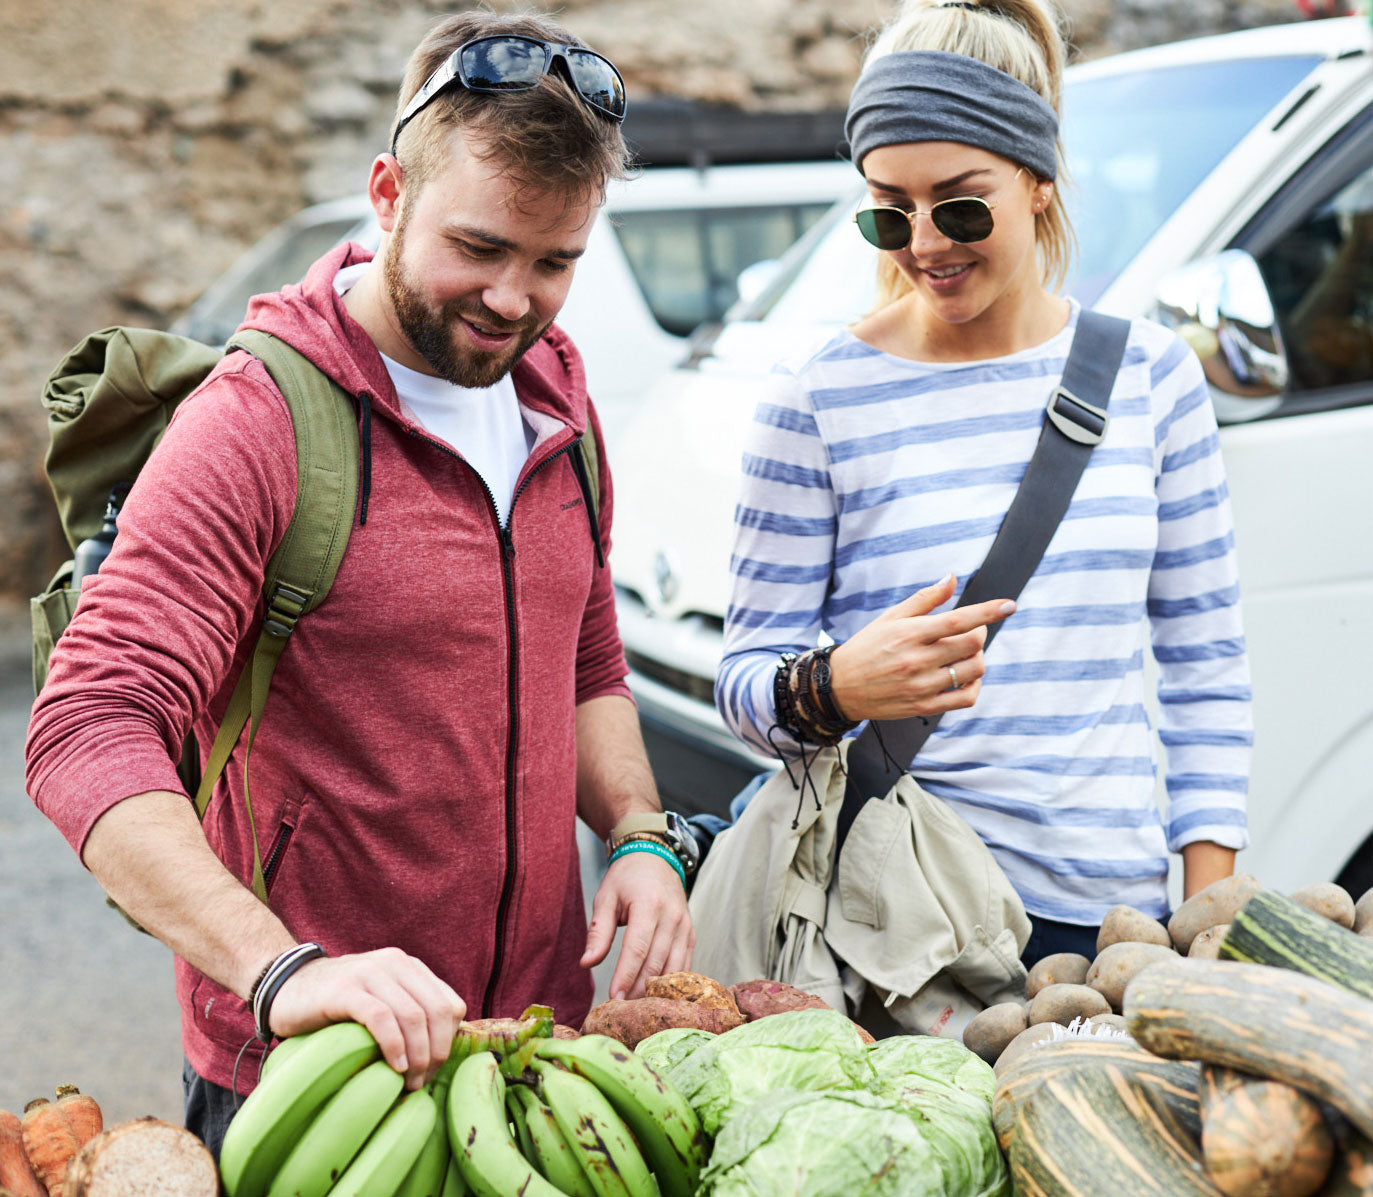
433	334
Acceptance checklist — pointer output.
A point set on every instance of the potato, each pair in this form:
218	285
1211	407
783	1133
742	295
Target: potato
691	987
1206	946
1329	900
990	1033
1062	968
758	999
1063	1003
1115	1021
1113	970
1363	914
1218	903
632	1019
1021	1044
1125	924
565	1032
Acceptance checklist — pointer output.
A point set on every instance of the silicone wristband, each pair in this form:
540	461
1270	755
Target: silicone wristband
658	850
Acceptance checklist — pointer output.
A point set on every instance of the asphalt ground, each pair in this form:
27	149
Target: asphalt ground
84	998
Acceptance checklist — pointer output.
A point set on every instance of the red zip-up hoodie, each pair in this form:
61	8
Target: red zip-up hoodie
414	777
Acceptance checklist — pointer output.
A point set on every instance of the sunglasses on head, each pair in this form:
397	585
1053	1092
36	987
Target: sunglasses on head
964	218
514	62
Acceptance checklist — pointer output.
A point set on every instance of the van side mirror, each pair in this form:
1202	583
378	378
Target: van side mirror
1221	307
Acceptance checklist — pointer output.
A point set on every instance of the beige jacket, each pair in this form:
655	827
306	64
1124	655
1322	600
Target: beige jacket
918	909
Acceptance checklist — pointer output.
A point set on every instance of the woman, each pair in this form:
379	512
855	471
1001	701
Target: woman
881	466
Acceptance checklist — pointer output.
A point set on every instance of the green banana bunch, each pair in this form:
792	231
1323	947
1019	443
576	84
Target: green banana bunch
392	1149
547	1148
668	1132
487	1155
426	1178
338	1132
453	1183
285	1102
598	1137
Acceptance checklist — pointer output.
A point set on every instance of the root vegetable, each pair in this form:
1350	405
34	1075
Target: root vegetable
16	1173
1329	900
1116	967
1020	1045
1218	903
1062	968
632	1019
1363	914
692	987
1206	946
1125	924
1063	1003
82	1111
989	1034
50	1141
143	1158
758	999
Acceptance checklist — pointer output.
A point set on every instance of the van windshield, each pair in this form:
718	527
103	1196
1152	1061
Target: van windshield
1137	143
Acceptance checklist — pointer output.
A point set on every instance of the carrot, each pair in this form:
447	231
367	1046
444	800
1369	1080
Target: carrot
15	1173
82	1110
50	1141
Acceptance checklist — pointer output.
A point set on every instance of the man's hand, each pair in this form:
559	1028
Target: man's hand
411	1013
642	893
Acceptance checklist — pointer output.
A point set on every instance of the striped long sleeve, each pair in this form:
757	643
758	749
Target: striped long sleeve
866	477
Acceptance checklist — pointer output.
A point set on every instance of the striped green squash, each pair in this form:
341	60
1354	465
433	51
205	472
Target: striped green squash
1266	1021
1273	929
1090	1131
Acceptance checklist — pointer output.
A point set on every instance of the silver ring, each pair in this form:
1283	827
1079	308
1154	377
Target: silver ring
953	679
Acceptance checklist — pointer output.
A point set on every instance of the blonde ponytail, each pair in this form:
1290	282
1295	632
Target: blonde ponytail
1024	39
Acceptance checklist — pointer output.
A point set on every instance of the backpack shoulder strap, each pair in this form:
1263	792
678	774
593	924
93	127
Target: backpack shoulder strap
302	570
586	464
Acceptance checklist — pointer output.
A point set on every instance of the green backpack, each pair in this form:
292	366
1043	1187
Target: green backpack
109	402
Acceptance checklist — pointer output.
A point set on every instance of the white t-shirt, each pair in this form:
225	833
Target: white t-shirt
484	424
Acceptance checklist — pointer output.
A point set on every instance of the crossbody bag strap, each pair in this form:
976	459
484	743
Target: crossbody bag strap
1075	422
301	571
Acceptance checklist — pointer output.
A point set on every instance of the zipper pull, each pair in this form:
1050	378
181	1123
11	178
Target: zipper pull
508	544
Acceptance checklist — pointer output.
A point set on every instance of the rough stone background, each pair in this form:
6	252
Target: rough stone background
144	144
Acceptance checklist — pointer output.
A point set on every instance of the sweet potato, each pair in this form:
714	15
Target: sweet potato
691	987
564	1032
1329	900
1125	924
1062	968
758	999
632	1019
1218	903
1116	967
1063	1003
991	1032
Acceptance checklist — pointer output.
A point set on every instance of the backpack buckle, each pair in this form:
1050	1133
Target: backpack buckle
283	609
1077	419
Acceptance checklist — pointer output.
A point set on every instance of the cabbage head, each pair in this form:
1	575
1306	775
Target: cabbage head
664	1049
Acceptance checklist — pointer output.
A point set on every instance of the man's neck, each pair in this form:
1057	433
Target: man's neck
367	304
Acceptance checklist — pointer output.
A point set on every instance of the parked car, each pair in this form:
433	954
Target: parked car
1225	186
663	257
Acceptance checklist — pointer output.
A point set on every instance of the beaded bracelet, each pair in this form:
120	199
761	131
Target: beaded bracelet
817	728
657	849
276	975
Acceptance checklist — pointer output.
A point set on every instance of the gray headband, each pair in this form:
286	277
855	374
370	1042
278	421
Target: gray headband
930	95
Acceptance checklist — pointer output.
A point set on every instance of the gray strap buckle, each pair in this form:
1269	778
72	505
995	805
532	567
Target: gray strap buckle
1077	419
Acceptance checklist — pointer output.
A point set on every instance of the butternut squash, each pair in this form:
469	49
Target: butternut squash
1267	1021
1261	1138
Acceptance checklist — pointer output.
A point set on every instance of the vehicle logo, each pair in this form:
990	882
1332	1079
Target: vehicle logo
665	576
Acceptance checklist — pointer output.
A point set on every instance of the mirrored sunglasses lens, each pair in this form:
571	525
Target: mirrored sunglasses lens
599	83
963	220
886	228
503	63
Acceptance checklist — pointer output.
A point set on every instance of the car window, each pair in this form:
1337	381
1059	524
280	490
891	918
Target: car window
1137	144
687	262
1320	278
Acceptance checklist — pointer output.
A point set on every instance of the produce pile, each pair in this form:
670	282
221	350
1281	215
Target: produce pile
1235	1057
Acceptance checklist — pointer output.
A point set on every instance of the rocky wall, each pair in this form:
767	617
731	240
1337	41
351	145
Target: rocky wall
145	143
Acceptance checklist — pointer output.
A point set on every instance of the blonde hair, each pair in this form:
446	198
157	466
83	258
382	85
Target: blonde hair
1023	38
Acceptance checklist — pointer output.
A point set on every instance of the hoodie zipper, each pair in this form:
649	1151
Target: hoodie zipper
512	694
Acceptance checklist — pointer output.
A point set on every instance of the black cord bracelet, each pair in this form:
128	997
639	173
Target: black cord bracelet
276	975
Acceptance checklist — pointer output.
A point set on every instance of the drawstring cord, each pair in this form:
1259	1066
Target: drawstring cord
238	1099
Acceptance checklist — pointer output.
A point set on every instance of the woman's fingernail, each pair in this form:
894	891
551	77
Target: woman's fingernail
1007	608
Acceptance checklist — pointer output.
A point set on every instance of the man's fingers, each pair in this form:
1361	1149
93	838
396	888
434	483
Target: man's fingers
634	948
600	934
923	601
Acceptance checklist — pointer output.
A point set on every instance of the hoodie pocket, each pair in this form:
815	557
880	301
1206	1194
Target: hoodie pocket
286	829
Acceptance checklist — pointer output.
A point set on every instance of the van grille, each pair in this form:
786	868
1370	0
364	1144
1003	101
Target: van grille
702	689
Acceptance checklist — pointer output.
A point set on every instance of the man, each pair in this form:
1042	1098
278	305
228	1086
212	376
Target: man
436	724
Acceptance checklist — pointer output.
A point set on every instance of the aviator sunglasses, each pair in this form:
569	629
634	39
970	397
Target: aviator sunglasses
513	62
964	218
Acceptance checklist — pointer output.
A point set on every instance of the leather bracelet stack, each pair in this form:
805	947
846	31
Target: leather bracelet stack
806	706
270	981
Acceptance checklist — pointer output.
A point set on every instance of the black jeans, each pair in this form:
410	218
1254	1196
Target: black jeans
1048	937
209	1107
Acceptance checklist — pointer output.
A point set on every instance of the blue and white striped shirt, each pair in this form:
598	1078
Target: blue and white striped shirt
868	476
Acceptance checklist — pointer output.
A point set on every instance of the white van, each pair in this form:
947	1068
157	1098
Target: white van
1224	185
664	257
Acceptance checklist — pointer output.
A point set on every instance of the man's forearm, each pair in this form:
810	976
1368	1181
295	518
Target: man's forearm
150	855
613	774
